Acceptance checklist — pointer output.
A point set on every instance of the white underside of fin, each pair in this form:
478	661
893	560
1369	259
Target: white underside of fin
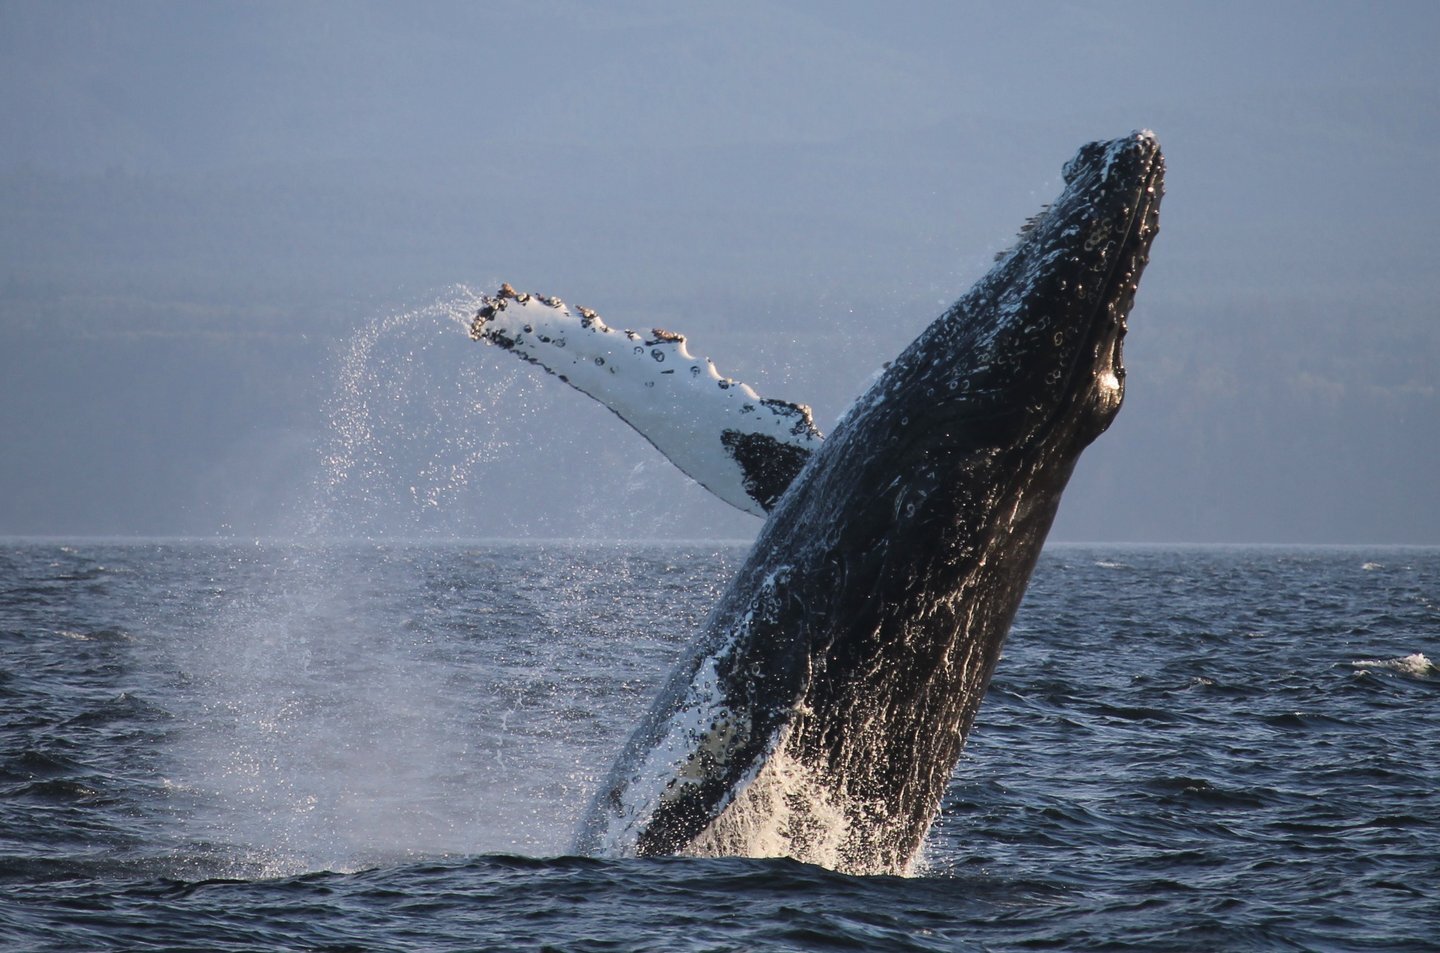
678	402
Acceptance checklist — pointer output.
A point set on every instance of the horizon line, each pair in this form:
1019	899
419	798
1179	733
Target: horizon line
7	539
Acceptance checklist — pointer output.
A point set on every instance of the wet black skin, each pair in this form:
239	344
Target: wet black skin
881	589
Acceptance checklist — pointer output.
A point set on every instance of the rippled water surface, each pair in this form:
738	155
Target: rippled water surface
221	746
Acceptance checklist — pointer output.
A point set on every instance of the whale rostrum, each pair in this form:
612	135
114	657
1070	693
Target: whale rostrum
821	709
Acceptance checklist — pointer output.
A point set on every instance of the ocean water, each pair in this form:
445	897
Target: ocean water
262	746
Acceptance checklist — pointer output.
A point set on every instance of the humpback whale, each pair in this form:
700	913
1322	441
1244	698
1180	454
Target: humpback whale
822	708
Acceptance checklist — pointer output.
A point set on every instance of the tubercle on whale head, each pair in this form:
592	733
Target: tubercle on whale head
1033	352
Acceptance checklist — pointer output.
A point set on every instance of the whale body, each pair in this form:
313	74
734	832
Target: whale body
821	710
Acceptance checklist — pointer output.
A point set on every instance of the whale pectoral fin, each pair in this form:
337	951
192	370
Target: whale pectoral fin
744	448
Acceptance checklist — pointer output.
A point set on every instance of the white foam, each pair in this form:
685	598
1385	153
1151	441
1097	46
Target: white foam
1415	665
783	811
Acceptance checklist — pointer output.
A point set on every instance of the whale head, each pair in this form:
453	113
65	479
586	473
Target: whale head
1034	351
978	423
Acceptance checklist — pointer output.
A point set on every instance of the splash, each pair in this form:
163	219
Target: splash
323	726
406	424
1415	665
787	810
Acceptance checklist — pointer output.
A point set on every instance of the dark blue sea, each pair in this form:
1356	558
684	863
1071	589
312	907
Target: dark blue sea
259	746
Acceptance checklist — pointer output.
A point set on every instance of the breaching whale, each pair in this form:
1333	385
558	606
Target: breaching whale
821	710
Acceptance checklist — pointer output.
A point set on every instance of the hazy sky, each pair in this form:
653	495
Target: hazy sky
214	219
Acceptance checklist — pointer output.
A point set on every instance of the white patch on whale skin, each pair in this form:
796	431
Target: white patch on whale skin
696	737
653	780
678	402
